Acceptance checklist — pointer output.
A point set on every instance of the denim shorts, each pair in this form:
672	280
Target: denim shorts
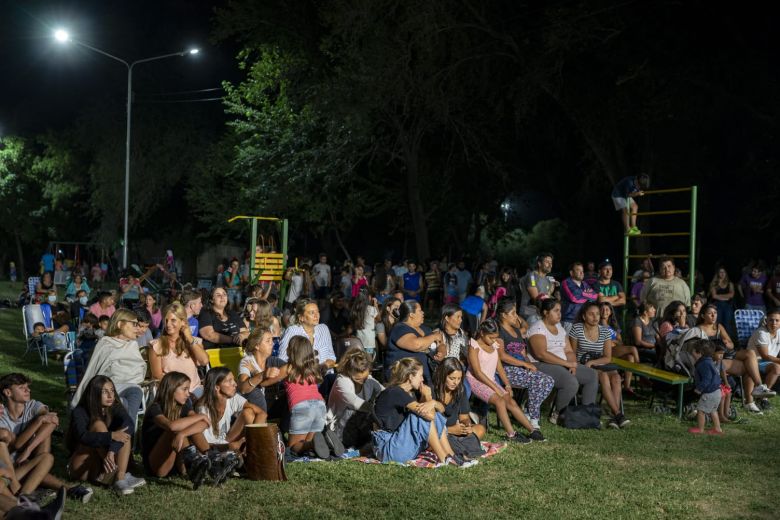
307	416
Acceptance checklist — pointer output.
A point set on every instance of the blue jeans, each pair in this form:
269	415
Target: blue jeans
307	417
132	397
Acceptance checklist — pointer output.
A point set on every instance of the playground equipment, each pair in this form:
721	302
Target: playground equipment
268	263
73	254
691	234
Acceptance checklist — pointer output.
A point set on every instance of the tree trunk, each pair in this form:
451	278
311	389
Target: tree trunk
20	254
338	238
411	153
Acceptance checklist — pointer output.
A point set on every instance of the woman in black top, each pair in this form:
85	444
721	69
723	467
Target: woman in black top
410	337
99	437
219	326
448	389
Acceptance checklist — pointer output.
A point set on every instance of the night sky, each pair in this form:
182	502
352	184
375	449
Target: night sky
45	84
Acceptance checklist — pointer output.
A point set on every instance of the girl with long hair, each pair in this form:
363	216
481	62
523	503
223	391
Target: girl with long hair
258	369
387	319
448	389
408	419
100	438
363	316
173	433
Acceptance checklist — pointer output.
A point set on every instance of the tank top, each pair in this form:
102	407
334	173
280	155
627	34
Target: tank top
515	346
488	361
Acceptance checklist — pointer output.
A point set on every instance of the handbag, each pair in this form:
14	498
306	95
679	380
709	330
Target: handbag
581	417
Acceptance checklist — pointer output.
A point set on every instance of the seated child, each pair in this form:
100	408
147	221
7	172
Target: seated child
100	438
351	400
405	424
172	433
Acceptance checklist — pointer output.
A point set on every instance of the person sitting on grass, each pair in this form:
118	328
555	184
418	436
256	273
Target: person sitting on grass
463	435
118	357
484	365
25	477
513	355
708	383
593	347
623	195
172	433
177	350
301	376
351	399
550	346
227	411
258	369
406	424
99	438
30	424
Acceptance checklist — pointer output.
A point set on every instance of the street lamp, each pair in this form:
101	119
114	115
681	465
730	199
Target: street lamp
62	36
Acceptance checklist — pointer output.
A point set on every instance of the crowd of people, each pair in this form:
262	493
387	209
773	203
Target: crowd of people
348	363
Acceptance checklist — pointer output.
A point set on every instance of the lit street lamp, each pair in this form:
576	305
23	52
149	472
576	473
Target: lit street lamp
63	37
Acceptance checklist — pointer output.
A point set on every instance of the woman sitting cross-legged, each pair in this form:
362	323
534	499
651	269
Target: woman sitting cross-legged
352	398
408	419
464	436
484	364
99	438
550	346
593	346
172	432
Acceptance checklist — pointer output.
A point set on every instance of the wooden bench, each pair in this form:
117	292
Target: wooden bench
657	374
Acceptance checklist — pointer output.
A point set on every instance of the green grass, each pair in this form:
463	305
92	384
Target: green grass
653	469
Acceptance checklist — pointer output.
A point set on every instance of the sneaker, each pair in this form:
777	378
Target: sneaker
197	470
334	443
222	466
135	482
764	404
534	423
468	463
695	431
622	421
81	493
57	506
753	408
763	391
633	231
614	423
537	436
40	495
518	438
554	418
123	487
321	448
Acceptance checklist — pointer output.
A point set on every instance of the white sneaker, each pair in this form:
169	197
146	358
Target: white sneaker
763	391
534	423
753	408
554	418
134	482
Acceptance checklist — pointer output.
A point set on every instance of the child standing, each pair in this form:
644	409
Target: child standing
708	387
623	195
725	386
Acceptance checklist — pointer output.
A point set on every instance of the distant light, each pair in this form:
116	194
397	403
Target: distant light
61	35
194	51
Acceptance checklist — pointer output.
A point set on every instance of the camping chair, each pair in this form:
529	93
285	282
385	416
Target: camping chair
32	314
32	282
747	321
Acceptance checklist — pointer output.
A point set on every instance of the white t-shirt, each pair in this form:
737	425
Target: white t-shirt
762	338
321	274
234	405
296	285
367	334
556	343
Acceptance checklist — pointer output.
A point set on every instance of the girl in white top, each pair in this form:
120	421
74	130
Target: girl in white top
765	341
254	371
364	315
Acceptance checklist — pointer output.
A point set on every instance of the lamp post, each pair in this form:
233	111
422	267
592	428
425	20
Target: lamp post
62	36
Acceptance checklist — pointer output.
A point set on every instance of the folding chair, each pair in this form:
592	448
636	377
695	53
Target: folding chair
32	314
32	282
747	321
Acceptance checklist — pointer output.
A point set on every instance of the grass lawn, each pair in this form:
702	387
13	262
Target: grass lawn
653	469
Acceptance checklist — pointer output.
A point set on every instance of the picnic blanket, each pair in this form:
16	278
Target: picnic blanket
428	459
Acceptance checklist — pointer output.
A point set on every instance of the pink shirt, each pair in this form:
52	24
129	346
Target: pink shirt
98	311
173	363
299	392
361	282
156	318
488	361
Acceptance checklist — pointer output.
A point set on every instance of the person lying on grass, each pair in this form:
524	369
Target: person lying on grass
173	439
462	434
351	400
99	438
31	424
406	424
484	365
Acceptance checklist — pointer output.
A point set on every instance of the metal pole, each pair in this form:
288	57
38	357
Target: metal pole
127	161
692	239
626	256
283	284
252	252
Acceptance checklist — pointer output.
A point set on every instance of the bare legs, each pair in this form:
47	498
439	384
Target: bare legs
630	354
610	389
505	405
87	463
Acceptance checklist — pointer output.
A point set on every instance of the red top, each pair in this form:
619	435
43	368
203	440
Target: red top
299	392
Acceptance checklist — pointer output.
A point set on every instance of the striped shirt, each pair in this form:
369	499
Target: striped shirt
323	345
32	409
586	348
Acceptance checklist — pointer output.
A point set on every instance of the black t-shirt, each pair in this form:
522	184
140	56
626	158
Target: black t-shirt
151	433
455	408
390	407
229	327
